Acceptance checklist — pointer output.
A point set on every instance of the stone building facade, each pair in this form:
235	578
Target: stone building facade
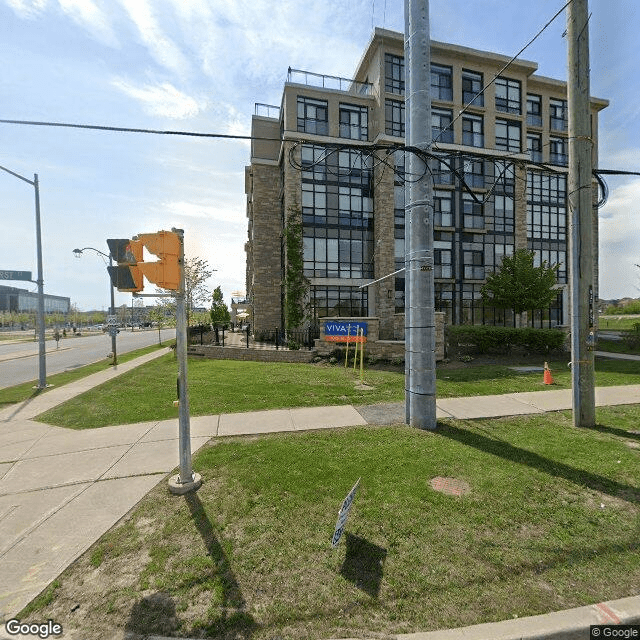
499	176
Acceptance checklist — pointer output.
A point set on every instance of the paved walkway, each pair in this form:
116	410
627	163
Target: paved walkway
61	489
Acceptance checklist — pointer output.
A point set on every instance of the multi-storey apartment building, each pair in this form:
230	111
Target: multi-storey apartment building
499	176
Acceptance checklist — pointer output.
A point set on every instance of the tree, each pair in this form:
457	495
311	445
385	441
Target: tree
196	272
219	310
158	315
519	285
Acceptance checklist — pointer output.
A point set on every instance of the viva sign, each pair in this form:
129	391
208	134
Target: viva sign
350	331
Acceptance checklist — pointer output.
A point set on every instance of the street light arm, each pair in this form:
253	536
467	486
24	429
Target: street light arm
17	175
79	251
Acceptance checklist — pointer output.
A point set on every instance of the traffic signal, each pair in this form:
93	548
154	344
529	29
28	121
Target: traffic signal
165	245
128	275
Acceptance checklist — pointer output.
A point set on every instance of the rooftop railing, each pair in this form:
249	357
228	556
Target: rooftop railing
329	82
267	110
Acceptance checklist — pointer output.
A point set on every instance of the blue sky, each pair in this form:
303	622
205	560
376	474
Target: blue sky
200	65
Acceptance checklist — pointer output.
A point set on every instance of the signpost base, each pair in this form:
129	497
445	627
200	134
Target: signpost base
180	488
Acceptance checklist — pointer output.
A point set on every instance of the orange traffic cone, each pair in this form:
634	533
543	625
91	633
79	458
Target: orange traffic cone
548	379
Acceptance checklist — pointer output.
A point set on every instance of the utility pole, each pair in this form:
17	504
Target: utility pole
419	297
581	211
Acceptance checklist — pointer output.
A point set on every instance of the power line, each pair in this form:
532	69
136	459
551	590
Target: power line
506	66
95	127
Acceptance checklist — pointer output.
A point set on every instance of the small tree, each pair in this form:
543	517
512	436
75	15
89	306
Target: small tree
219	310
520	286
157	315
196	272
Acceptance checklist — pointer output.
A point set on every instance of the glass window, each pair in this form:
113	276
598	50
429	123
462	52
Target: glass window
472	212
558	151
472	88
313	116
443	254
393	73
473	264
441	129
338	302
440	172
508	135
442	208
394	118
534	147
508	95
441	84
473	171
353	122
558	114
472	131
534	110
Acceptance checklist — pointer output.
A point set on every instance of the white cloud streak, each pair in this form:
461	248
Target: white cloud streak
162	100
89	16
162	48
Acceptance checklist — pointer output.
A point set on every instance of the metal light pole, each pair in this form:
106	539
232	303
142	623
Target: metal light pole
42	360
186	481
112	311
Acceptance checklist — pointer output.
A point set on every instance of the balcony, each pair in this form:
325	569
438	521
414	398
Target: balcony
329	82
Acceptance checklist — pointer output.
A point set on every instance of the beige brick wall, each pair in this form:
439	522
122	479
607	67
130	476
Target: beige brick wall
264	273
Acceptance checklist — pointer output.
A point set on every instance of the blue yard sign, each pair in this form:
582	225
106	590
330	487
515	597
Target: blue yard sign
345	331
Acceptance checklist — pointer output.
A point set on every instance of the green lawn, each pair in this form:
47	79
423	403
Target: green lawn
22	392
551	521
617	323
225	386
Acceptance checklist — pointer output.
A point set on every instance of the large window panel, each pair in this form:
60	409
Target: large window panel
313	116
393	73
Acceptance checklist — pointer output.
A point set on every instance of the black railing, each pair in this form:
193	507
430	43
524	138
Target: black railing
293	340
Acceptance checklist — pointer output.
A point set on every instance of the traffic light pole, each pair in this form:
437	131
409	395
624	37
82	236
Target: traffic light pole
186	481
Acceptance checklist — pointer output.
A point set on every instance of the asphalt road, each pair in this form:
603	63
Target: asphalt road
19	361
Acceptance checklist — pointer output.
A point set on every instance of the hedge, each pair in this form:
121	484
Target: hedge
502	339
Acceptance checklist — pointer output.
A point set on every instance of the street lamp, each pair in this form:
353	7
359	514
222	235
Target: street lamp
112	329
42	364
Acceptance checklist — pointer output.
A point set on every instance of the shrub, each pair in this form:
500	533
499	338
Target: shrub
487	339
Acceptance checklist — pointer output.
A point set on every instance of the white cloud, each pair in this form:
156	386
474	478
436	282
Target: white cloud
88	15
160	46
162	99
28	8
205	210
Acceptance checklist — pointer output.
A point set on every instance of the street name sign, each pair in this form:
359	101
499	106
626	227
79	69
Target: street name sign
15	275
343	514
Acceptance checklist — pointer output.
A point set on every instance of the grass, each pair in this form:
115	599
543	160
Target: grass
225	386
22	392
616	346
551	522
617	323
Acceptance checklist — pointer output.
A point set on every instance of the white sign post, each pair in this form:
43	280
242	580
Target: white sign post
343	514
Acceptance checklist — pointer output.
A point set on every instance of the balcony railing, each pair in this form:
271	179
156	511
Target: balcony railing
267	110
329	82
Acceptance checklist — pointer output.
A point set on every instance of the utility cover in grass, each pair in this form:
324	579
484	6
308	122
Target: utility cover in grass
450	486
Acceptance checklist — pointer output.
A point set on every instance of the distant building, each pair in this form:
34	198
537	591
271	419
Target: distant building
23	301
509	146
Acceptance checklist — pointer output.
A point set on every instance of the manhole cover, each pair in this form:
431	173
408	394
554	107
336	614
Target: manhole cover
450	486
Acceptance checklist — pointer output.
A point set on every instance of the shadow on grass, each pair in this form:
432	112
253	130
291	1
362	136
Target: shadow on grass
232	621
612	431
153	614
508	451
21	404
363	564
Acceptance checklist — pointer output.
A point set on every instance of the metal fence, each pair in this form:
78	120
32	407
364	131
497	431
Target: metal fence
296	339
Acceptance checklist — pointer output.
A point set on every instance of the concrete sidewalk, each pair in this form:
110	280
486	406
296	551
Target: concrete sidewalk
61	489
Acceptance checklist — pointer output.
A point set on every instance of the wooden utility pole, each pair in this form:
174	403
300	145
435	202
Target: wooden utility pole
581	212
